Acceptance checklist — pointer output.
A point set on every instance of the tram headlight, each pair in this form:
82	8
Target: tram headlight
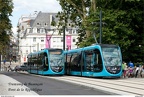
56	68
113	69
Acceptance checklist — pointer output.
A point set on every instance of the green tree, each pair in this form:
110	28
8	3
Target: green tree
125	26
76	11
6	7
124	21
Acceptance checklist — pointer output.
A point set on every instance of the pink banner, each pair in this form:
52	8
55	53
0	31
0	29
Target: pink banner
48	41
68	42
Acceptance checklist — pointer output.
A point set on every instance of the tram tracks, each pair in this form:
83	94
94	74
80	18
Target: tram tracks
130	86
121	86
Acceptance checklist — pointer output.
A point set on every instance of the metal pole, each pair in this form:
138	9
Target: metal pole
100	26
63	37
0	61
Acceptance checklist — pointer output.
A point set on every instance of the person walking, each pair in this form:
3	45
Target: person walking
130	64
4	61
137	70
141	70
130	69
124	69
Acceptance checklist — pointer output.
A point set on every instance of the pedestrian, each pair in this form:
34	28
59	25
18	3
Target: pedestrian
124	69
9	68
4	61
130	64
141	70
137	70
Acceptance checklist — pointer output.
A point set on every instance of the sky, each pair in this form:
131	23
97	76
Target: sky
26	7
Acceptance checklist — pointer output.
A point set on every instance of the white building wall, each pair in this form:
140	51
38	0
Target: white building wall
36	41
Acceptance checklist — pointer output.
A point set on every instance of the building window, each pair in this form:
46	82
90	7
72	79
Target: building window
54	39
38	30
42	46
22	27
61	39
74	40
70	31
46	24
74	31
34	39
42	39
26	51
38	24
34	30
42	30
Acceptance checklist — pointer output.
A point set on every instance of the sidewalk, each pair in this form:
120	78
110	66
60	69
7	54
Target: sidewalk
10	86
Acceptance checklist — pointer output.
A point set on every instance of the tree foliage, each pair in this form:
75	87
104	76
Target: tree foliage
6	7
76	11
123	23
125	26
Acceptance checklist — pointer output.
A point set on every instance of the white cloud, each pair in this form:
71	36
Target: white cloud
22	7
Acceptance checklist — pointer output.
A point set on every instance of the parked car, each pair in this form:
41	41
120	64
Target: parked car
22	67
25	63
17	68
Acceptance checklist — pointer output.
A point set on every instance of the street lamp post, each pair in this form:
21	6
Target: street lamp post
100	26
63	37
11	52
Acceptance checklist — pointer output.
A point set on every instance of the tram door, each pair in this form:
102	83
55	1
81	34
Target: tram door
73	63
67	64
92	61
45	62
89	55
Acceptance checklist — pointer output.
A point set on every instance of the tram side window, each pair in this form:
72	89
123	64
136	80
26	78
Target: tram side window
93	61
38	62
75	62
68	59
44	61
34	58
88	61
97	61
67	63
30	62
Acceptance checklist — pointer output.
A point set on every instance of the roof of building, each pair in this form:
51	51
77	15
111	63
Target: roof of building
43	20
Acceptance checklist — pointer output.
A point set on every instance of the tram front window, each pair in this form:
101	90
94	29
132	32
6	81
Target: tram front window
112	59
56	63
111	56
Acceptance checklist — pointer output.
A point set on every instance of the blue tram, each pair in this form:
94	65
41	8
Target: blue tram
99	60
46	62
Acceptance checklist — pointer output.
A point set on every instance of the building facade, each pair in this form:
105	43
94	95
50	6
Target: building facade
35	32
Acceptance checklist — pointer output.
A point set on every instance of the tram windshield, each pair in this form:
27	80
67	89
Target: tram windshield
111	56
56	60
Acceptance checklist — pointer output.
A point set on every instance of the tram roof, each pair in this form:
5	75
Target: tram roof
44	50
108	45
92	46
52	49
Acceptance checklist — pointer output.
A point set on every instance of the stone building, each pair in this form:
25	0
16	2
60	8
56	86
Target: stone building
35	32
